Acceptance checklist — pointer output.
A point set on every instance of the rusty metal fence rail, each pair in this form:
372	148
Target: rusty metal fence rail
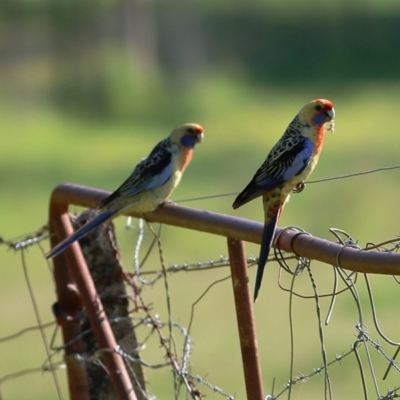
70	269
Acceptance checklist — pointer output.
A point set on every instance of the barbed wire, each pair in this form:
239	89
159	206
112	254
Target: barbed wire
26	240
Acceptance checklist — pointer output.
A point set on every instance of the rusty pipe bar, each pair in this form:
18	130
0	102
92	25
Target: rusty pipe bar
250	231
245	320
73	258
67	310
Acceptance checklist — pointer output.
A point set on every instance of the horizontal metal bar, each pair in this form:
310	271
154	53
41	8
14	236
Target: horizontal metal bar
303	245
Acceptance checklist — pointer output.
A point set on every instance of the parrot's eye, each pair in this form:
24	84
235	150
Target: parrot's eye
318	108
190	130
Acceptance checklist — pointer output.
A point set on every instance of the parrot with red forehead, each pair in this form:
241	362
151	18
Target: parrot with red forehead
150	184
287	166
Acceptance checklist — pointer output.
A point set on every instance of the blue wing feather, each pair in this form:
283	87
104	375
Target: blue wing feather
150	173
161	176
287	159
300	161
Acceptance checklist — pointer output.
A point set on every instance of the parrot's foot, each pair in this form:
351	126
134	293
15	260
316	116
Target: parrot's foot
299	187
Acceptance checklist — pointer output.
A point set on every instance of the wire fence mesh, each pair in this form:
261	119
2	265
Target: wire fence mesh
323	333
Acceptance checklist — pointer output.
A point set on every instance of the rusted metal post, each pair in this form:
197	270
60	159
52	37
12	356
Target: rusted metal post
97	317
73	258
67	310
245	320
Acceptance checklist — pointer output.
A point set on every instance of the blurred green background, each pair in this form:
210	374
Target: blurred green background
87	88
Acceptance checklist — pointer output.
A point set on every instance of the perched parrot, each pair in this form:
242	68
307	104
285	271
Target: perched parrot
288	165
150	184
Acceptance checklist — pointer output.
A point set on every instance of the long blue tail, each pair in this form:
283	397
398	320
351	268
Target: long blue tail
266	243
82	231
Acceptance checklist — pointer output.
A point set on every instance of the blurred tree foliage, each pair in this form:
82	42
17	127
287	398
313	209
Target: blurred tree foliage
111	59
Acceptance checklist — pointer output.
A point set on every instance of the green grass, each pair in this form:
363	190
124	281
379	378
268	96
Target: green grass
42	147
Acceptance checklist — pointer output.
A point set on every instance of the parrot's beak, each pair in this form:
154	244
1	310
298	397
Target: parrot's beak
200	137
331	113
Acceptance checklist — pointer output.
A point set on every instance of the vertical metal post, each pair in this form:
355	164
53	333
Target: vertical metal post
67	310
97	316
73	258
245	320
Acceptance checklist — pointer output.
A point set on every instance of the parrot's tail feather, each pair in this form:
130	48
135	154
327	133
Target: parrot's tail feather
82	231
266	243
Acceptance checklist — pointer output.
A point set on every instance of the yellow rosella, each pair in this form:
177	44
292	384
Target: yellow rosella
150	184
288	165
